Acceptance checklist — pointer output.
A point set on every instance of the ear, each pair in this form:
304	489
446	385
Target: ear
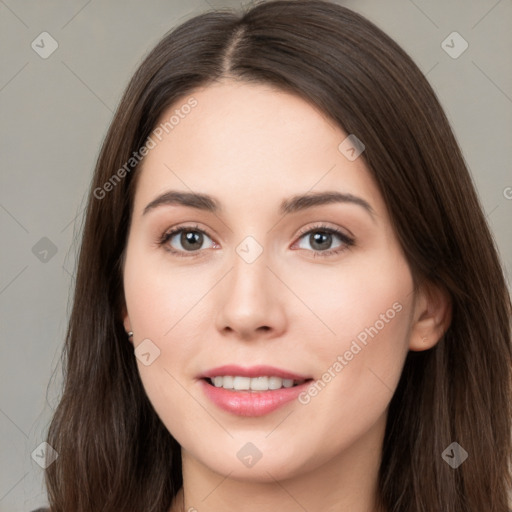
432	316
126	320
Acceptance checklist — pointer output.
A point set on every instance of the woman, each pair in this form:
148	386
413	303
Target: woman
339	336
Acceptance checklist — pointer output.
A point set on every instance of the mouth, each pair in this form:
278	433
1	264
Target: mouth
254	391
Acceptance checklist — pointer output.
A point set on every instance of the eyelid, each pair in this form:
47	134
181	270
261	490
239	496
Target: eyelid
320	225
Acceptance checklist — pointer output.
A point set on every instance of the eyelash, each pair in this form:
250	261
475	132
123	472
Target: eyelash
347	241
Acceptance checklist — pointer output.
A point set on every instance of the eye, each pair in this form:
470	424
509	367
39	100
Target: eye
190	238
320	239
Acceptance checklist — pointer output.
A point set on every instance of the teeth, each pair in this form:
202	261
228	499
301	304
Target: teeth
238	383
241	383
275	383
259	383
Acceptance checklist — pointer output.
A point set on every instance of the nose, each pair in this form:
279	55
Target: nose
250	302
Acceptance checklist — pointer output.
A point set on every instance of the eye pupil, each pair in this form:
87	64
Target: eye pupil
191	237
319	238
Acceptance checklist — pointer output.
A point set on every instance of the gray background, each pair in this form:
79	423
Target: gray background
55	113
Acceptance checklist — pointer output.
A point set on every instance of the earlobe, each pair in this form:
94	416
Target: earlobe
126	320
432	316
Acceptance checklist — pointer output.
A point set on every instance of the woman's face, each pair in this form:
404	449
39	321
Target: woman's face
263	283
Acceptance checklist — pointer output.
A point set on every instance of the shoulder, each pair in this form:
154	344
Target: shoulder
41	510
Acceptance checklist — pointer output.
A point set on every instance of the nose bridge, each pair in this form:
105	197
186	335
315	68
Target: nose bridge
251	250
250	298
250	273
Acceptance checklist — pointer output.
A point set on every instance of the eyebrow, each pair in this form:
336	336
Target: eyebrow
294	204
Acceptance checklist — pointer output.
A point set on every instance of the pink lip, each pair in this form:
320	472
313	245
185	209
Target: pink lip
251	403
253	371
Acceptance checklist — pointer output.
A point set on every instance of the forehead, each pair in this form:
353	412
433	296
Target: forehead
241	141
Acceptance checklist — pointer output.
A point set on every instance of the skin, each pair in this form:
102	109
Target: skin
251	146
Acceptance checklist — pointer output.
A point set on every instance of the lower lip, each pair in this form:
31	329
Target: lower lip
251	403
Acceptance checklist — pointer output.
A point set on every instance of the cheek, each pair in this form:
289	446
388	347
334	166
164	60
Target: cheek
162	309
369	309
361	298
160	296
166	306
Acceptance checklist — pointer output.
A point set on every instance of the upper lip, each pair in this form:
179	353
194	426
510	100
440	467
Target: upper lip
252	371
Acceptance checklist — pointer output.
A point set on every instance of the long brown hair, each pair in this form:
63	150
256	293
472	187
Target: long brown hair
114	452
